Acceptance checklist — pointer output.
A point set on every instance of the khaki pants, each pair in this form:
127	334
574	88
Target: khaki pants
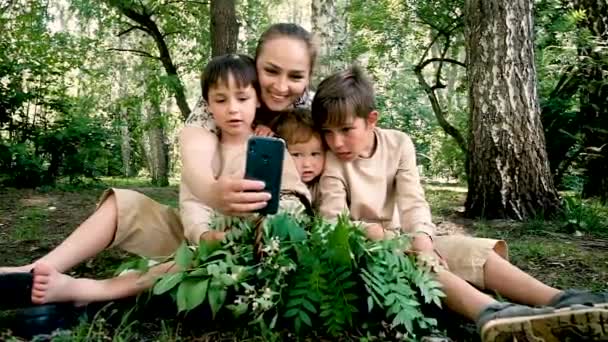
150	229
144	226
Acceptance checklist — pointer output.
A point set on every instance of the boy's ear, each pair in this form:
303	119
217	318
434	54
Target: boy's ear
372	118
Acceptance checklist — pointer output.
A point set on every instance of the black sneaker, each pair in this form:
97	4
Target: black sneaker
502	322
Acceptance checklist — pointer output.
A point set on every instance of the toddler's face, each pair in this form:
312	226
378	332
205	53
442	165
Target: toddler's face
309	158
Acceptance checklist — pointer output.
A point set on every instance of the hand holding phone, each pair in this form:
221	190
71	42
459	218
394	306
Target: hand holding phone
265	163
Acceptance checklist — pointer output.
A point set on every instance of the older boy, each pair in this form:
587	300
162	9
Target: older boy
372	171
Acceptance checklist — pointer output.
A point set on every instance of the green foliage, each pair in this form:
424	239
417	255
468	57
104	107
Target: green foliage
313	278
73	148
588	216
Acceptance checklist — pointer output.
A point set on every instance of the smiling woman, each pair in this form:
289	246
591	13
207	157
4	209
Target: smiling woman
285	58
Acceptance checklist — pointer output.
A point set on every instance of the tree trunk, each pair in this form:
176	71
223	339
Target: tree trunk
122	91
224	28
508	170
157	151
329	24
594	98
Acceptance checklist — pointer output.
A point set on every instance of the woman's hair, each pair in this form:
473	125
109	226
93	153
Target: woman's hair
219	69
292	31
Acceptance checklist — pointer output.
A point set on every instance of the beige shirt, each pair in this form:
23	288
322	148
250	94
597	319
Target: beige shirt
315	193
384	188
230	161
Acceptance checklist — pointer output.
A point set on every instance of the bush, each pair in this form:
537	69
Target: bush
72	148
585	216
325	280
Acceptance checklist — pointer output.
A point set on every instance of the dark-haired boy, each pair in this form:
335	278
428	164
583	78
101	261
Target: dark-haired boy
371	173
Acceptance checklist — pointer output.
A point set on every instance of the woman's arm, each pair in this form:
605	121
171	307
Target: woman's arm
230	196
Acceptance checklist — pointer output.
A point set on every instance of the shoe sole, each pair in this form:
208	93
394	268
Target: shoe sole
568	324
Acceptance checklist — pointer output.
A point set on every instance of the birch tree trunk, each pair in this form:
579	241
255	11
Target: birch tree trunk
509	173
155	141
329	24
122	91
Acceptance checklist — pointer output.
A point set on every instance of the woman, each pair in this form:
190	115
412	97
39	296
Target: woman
284	61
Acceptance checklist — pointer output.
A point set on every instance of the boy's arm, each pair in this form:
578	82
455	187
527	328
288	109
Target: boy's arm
198	228
414	211
333	201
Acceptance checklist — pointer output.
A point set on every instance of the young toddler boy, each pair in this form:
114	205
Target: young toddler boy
305	147
371	173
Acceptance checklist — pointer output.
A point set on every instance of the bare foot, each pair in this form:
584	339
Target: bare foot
17	269
50	286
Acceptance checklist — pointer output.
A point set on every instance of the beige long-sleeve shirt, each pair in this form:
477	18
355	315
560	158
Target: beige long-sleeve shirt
384	188
230	161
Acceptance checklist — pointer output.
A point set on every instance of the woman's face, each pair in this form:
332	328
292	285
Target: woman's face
283	71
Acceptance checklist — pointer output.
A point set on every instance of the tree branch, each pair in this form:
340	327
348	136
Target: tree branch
185	1
134	27
433	60
166	34
137	52
430	92
145	20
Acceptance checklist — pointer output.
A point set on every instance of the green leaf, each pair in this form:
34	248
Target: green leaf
191	293
167	282
370	303
308	305
217	296
291	312
199	272
206	249
305	318
238	310
183	256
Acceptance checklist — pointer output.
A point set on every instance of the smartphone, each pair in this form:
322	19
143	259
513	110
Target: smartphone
265	163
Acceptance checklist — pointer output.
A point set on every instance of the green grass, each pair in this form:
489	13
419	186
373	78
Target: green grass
29	225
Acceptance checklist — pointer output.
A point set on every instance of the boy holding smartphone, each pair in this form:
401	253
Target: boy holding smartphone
230	88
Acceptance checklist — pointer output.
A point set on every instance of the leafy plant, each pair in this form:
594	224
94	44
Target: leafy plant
584	216
305	275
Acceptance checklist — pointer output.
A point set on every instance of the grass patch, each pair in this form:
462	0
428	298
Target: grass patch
28	226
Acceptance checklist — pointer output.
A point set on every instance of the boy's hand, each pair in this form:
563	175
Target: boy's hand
422	243
213	235
374	232
263	131
423	246
235	196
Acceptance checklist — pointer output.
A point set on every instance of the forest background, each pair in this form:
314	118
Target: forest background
505	100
